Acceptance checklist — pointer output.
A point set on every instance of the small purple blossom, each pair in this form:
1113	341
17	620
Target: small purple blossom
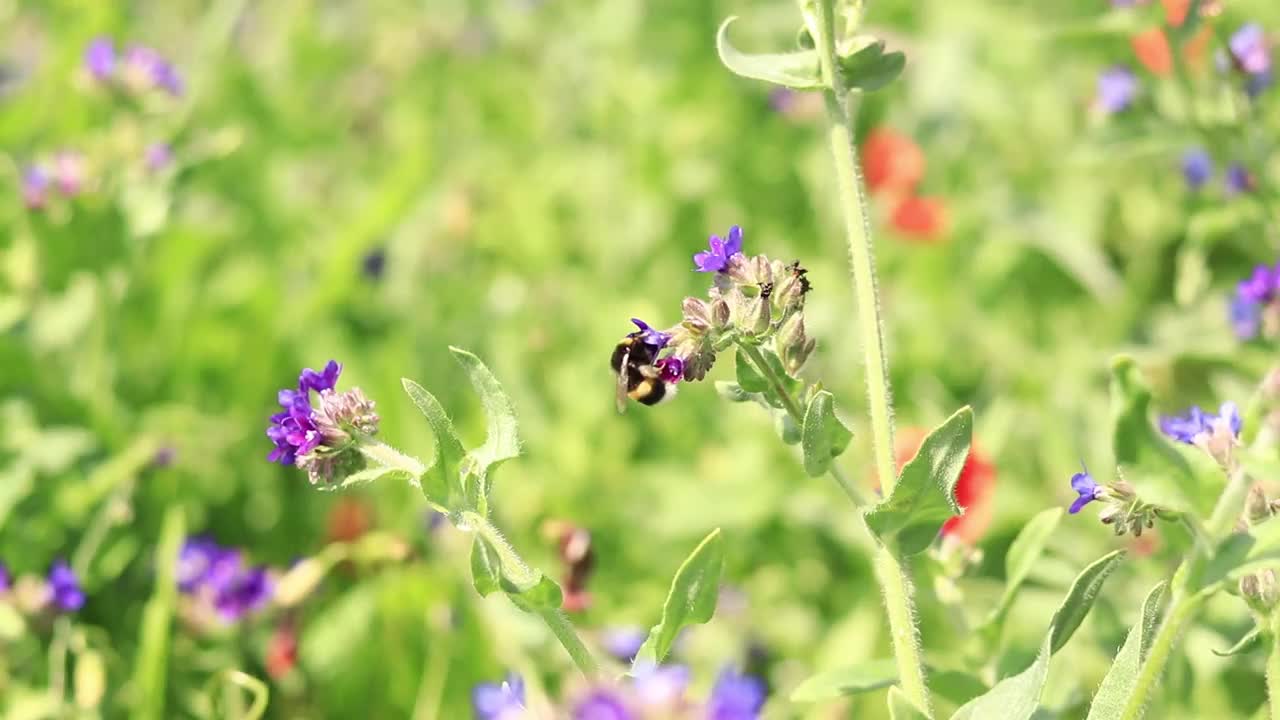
1249	49
144	67
196	560
294	430
624	642
671	369
1197	168
64	587
6	580
651	337
1196	424
492	701
1117	88
736	696
1086	487
35	187
100	58
1261	285
602	705
326	379
244	592
661	685
69	171
1245	316
158	156
716	258
1238	179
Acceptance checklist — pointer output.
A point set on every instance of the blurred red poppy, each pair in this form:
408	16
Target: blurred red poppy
1175	11
920	218
282	650
891	161
1152	48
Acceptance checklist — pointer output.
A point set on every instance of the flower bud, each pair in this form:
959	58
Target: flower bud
720	313
697	314
759	316
295	585
1256	506
1110	514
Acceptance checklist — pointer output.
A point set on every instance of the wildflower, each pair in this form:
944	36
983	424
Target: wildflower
1190	428
1239	180
64	587
1117	87
651	337
492	701
1087	489
6	580
35	187
736	697
69	171
247	590
602	705
661	686
158	156
100	58
891	162
1197	168
318	438
919	218
144	68
671	369
1152	48
196	561
716	258
282	651
1245	316
623	642
326	379
1249	49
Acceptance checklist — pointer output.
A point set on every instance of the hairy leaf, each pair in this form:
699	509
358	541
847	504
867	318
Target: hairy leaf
1014	698
441	481
1080	598
799	70
823	436
691	600
501	441
1118	683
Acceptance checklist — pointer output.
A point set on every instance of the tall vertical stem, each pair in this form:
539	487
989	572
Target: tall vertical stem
889	571
1273	667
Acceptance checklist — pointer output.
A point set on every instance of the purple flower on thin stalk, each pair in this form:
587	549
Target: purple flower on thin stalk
35	187
1197	168
64	587
719	252
1117	88
493	701
100	58
1086	488
736	696
602	705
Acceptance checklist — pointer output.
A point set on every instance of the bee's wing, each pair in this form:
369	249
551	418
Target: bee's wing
621	385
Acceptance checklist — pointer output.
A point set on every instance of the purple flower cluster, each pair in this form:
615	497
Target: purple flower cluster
1196	425
1254	294
651	689
64	587
1117	87
220	576
66	173
140	68
1197	170
1251	55
294	430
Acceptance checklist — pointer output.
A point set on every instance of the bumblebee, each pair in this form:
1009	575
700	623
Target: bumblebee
638	377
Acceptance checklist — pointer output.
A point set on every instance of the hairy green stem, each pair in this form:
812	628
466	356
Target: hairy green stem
797	414
889	571
1273	667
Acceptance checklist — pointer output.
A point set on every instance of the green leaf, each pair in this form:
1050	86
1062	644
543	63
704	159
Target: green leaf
901	707
442	480
1162	472
787	429
486	567
860	678
501	441
797	70
1242	646
1243	553
691	600
368	475
1014	698
924	497
871	68
733	392
1023	555
544	595
823	436
1080	598
956	686
749	379
1117	685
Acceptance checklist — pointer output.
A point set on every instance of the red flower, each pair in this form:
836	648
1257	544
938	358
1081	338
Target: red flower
974	490
1175	11
920	218
891	161
282	651
1152	48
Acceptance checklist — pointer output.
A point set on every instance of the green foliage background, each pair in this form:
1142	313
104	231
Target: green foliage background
538	173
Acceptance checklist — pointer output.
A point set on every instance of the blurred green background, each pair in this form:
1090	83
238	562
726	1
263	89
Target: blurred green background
536	173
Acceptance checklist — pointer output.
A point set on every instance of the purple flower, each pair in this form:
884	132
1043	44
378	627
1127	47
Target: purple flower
1197	168
602	705
100	58
64	587
1245	316
649	336
144	68
661	685
1085	486
1258	82
1261	285
1196	423
245	591
1116	89
716	258
35	187
736	697
624	642
6	580
158	156
492	701
326	379
196	560
671	369
1238	179
1249	49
